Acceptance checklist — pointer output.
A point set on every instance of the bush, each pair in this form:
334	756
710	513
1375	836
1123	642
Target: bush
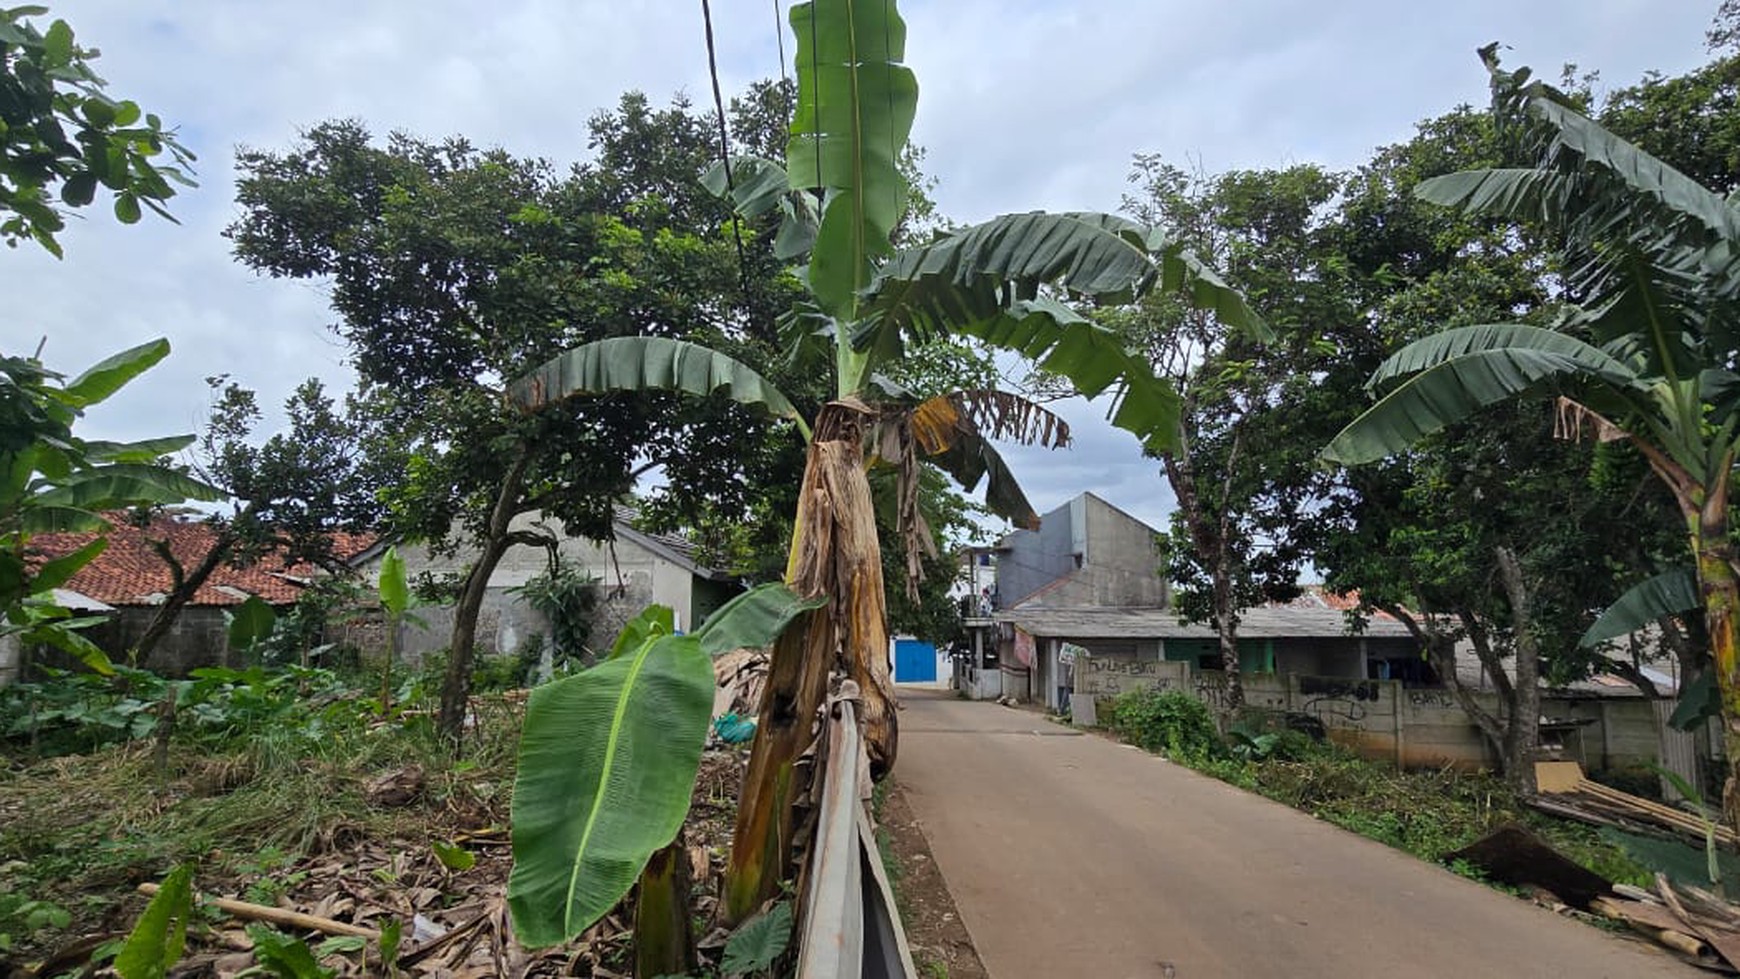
1173	722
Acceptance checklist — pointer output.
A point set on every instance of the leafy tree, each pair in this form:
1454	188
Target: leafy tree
290	494
838	199
453	268
1237	486
62	136
52	481
1644	355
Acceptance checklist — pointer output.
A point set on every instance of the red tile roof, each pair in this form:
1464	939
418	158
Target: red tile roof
131	572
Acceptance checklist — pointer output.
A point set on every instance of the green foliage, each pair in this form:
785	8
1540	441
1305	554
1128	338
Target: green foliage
1673	592
161	932
855	108
251	622
568	598
52	481
759	942
69	713
608	760
61	135
286	957
22	916
395	593
650	364
453	856
1173	722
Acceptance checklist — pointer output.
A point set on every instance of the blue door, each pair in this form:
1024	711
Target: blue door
914	661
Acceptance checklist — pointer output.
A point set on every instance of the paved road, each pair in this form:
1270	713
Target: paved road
1069	855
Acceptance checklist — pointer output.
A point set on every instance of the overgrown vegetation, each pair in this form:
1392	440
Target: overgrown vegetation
1426	813
262	768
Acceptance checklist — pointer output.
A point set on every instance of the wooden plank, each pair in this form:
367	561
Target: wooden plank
1558	776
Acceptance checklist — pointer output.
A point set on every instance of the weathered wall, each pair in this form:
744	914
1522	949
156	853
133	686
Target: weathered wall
1413	727
1108	558
1109	676
629	576
1123	560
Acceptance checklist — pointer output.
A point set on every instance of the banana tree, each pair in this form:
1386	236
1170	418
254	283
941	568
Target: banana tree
52	481
1647	354
840	196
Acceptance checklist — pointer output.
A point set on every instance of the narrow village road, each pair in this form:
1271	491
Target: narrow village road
1069	855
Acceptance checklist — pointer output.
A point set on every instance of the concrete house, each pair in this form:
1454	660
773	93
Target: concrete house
130	579
632	572
1091	581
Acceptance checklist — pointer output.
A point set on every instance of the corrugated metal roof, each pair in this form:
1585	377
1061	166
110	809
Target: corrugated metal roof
1158	623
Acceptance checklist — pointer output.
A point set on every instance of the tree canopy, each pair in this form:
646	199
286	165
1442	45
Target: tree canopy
63	137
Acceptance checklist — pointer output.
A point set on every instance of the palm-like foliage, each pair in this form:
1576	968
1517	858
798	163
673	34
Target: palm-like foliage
1648	352
1004	282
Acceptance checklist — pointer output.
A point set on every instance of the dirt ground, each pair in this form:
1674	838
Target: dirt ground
941	947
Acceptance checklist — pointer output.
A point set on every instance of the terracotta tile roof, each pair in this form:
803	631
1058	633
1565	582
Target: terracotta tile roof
130	571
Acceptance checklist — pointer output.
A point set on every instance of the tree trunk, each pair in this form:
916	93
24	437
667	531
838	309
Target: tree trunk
1523	734
1719	588
1441	651
834	553
664	943
186	585
462	642
1207	537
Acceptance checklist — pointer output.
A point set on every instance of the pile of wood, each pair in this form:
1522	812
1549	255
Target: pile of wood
1565	791
1692	922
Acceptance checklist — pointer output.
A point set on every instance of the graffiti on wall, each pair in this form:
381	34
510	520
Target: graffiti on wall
1108	676
1435	699
1210	688
1340	702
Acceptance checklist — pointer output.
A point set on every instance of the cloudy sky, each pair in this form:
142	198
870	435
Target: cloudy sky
1024	104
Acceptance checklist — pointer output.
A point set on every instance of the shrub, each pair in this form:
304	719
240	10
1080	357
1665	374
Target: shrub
1173	722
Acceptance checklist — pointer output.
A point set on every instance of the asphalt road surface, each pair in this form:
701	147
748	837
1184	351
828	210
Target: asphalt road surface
1069	855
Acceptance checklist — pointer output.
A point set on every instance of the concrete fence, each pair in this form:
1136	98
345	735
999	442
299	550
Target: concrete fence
1414	727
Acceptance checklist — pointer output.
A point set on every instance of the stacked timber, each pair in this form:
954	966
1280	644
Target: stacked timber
1566	791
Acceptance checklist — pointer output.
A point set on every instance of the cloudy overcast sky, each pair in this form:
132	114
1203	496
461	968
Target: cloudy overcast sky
1024	104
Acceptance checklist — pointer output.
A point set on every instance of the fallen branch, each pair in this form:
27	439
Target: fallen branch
279	916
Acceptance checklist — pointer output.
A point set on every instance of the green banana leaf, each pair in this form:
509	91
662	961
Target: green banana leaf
652	622
969	274
126	484
146	451
1453	390
112	373
753	618
55	573
1670	593
395	591
1700	700
608	760
1429	352
251	622
160	935
59	520
643	363
855	109
756	185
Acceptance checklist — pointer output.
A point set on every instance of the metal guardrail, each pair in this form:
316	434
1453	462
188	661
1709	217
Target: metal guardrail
851	929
